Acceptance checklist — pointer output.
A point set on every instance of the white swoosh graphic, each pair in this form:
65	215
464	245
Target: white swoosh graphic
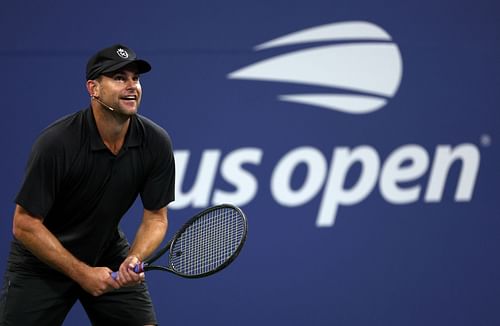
372	68
354	104
355	30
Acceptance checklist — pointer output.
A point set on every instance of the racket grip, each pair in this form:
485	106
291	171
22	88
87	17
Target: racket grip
139	268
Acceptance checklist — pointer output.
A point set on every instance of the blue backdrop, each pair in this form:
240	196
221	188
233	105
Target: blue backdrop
360	137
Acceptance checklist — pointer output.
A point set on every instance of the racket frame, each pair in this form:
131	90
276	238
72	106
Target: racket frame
147	264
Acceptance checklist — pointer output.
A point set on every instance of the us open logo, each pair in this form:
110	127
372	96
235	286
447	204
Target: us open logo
361	69
357	60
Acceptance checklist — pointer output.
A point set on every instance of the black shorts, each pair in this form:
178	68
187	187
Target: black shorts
28	299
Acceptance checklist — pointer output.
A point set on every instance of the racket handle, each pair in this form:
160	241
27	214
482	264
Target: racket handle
139	268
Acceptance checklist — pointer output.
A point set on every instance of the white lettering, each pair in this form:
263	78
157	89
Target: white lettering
232	171
199	195
335	193
400	180
395	171
445	157
281	188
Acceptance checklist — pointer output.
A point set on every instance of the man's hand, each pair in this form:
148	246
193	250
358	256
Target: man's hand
97	281
126	275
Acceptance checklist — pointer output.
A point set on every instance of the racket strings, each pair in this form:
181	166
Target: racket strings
209	242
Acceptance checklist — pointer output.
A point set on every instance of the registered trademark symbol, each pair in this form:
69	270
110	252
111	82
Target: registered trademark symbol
485	140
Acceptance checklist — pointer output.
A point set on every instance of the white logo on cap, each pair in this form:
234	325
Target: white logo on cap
122	53
364	71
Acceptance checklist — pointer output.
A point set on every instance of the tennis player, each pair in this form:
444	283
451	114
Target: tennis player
84	172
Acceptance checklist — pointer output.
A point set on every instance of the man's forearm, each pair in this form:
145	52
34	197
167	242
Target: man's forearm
33	234
150	234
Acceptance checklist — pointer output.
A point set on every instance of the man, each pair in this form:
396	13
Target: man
84	173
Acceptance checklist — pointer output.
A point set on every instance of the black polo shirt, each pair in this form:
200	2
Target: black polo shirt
82	190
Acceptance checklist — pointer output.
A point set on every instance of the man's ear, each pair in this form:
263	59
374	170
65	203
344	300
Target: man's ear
93	88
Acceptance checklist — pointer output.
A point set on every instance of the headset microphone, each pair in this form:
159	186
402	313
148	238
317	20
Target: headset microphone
102	103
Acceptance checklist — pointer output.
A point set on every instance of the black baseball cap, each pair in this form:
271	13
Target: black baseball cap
113	58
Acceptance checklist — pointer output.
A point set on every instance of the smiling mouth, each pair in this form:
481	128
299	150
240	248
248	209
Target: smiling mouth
129	98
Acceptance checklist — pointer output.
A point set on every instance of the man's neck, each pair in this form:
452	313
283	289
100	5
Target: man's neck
112	127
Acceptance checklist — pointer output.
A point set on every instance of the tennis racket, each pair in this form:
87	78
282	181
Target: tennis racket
204	245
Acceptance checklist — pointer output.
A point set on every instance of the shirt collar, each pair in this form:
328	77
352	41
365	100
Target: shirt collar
133	137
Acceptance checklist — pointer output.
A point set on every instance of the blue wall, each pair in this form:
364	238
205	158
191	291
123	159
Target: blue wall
376	206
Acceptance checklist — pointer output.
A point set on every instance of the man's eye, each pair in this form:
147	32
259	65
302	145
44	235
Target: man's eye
119	78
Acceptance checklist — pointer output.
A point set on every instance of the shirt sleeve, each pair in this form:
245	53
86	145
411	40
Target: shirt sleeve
42	177
159	188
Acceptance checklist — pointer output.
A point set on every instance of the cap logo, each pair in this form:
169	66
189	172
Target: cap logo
122	53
